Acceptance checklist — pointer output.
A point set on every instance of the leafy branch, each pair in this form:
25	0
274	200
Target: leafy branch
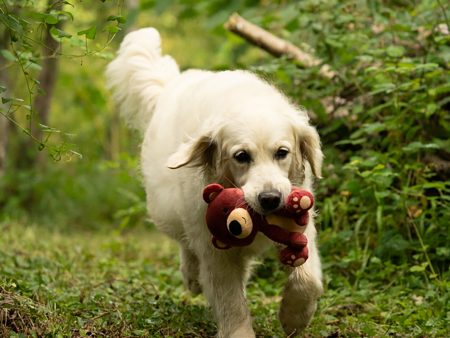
30	30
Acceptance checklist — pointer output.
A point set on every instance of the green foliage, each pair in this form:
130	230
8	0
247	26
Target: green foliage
81	196
383	120
23	43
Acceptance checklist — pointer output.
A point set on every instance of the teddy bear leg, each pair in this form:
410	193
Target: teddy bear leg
190	271
302	289
222	276
294	257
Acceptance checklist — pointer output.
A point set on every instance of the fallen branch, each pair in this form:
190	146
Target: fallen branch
273	44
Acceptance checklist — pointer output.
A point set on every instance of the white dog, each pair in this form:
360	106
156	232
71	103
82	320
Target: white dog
228	127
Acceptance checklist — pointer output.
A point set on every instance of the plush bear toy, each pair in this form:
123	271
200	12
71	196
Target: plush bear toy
233	223
229	218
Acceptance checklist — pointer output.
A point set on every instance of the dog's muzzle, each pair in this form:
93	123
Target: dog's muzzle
269	200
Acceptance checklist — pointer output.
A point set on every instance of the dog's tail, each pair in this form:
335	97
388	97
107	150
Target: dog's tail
138	75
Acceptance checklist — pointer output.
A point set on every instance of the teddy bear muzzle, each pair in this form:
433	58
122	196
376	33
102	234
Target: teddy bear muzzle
239	223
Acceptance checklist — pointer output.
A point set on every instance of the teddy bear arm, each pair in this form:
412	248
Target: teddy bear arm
297	240
302	218
276	234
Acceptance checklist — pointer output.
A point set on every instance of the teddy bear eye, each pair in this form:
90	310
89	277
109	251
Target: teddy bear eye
239	223
225	210
235	228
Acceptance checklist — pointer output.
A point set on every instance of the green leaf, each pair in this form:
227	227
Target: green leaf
419	268
383	87
51	18
443	251
13	23
355	141
11	99
352	185
77	42
89	33
118	18
431	109
8	55
417	146
66	14
379	218
369	128
427	67
334	42
113	29
34	66
442	89
76	153
46	128
395	51
59	34
406	66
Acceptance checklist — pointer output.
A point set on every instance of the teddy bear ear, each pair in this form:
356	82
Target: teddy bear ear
211	191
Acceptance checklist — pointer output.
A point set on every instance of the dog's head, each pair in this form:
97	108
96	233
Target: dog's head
263	153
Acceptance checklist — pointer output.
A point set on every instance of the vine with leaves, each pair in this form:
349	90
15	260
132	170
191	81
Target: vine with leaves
34	35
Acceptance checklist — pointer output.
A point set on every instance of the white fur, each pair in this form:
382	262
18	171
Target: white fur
193	124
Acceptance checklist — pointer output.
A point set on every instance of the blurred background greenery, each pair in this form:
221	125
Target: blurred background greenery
383	203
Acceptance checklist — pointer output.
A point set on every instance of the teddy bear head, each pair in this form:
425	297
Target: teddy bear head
228	217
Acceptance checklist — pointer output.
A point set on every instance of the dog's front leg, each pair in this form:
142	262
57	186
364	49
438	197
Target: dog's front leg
302	289
190	270
222	276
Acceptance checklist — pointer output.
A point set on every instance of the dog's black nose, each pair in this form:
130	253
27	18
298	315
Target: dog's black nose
269	200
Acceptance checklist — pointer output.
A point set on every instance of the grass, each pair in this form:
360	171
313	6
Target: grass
103	283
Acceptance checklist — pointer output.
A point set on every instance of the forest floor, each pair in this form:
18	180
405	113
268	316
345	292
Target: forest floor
110	284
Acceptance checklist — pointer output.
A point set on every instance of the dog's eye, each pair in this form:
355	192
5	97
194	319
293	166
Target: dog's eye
281	153
242	156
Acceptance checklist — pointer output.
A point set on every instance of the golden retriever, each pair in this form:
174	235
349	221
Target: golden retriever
229	127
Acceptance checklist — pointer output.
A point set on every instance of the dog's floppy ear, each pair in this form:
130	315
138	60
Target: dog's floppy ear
310	149
195	153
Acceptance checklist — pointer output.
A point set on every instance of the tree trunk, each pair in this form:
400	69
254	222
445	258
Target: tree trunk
47	77
3	138
4	81
41	103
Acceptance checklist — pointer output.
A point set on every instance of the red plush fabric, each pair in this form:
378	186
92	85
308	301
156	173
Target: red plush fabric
221	203
233	223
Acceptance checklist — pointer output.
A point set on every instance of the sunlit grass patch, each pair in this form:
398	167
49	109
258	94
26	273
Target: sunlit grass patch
107	283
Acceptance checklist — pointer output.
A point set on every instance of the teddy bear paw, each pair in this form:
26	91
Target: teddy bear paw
293	258
300	200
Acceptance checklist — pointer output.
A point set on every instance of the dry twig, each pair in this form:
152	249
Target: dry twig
273	44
